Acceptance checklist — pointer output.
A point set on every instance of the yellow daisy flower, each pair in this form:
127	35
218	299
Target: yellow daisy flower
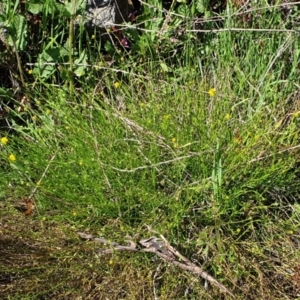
4	140
117	84
12	158
227	117
212	92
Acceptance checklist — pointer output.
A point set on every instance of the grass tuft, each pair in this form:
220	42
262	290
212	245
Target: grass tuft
198	139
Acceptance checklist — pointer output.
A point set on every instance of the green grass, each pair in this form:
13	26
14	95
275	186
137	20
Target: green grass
217	175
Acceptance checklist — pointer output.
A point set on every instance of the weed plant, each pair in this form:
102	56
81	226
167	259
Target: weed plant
194	134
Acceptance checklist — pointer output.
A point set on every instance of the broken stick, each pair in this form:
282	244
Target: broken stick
163	249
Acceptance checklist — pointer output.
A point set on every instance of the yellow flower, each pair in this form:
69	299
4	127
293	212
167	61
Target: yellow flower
174	140
117	84
227	117
212	92
12	158
93	36
4	140
30	72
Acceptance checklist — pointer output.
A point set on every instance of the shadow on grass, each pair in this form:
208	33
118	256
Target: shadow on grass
45	259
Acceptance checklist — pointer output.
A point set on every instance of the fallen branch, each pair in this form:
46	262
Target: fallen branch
163	249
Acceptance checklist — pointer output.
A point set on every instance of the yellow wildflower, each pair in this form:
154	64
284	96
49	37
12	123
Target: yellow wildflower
93	36
4	140
227	117
117	84
174	141
12	158
212	92
30	72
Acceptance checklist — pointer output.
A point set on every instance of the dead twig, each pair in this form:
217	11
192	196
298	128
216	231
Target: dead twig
163	249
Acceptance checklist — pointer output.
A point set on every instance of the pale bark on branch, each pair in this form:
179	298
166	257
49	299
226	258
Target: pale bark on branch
163	249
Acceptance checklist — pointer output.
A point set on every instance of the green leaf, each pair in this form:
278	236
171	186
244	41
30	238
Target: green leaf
18	33
164	67
5	93
109	47
202	6
183	9
35	8
80	70
75	6
47	60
